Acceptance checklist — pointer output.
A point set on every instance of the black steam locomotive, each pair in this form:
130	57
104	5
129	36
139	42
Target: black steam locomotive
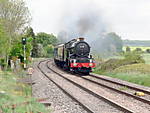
74	56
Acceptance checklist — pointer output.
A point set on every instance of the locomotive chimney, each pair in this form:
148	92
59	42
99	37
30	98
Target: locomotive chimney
81	39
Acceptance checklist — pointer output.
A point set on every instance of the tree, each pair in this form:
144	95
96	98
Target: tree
15	16
148	50
46	39
30	33
3	45
138	49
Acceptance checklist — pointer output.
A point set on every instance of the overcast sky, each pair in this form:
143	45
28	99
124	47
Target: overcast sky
130	19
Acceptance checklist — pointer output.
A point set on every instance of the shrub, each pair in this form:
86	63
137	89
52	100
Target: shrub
128	49
129	58
134	57
2	63
133	68
148	50
138	49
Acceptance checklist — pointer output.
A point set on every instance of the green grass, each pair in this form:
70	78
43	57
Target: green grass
141	79
135	73
131	73
146	57
14	93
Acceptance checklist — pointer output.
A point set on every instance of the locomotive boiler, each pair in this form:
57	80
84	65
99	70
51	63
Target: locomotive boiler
74	56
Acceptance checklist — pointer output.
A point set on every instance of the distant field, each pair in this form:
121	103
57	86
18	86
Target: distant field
134	47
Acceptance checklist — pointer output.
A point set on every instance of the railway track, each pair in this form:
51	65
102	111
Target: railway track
119	87
67	93
122	88
98	96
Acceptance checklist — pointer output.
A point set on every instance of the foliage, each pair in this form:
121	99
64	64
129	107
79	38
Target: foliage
134	57
146	57
45	45
4	48
138	49
18	50
128	49
129	58
49	50
138	73
133	68
3	40
30	33
14	93
148	50
46	39
15	16
35	48
141	79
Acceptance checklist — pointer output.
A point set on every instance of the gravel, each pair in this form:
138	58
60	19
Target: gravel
95	104
60	102
131	103
116	86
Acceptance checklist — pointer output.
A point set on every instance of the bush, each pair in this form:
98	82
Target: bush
128	49
2	63
129	58
134	57
148	50
138	49
133	68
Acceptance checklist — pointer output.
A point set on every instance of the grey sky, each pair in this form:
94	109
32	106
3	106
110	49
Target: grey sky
128	18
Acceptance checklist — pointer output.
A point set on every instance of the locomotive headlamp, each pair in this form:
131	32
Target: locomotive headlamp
90	60
90	64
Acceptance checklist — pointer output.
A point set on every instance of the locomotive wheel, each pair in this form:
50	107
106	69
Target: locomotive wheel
86	73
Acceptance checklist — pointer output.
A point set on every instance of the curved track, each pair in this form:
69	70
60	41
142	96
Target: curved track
67	93
112	103
132	89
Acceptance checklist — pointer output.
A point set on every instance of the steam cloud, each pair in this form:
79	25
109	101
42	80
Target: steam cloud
82	19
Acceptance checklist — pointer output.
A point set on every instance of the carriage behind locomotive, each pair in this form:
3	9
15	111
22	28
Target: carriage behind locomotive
74	56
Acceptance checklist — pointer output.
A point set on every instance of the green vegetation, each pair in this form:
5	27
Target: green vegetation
146	57
47	42
141	79
129	58
14	21
134	67
13	93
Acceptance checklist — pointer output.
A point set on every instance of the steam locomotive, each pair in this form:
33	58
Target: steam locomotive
74	56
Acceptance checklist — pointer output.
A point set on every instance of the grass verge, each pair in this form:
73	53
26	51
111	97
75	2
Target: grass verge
17	95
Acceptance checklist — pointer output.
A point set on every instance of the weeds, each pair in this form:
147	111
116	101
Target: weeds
17	95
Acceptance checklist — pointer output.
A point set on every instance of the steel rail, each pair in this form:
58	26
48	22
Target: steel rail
119	91
122	84
116	105
64	91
